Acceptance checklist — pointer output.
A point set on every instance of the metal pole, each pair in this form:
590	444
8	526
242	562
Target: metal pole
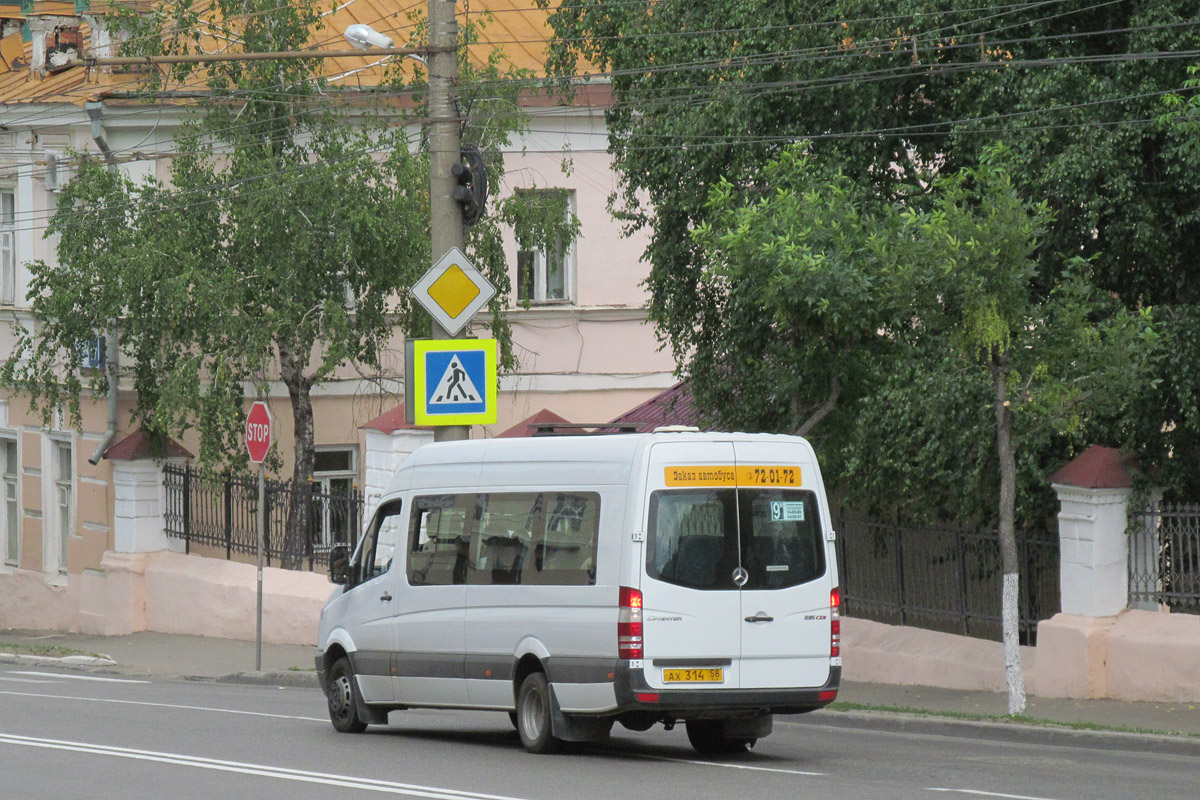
445	216
262	528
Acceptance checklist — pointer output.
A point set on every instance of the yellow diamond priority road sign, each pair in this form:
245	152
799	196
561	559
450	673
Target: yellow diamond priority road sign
453	291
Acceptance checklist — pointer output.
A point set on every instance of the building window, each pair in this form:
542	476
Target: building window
544	273
335	471
64	493
8	247
11	517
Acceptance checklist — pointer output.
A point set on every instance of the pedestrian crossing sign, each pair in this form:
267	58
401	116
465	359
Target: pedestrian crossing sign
452	381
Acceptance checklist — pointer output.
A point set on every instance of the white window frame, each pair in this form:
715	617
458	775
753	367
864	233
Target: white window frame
10	514
540	267
59	496
323	478
8	245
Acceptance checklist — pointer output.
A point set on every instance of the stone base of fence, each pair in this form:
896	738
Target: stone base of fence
873	652
168	593
1137	655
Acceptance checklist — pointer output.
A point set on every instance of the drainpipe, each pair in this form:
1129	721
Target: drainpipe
110	359
95	112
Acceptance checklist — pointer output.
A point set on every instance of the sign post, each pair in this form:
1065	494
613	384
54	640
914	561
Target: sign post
258	442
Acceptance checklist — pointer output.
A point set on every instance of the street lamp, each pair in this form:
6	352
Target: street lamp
364	37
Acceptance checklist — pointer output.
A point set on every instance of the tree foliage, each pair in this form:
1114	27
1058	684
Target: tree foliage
295	219
948	338
887	98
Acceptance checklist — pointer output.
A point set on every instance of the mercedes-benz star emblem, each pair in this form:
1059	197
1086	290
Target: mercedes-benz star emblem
740	576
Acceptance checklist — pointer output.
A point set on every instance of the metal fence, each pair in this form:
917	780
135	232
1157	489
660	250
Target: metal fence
1164	556
942	578
215	514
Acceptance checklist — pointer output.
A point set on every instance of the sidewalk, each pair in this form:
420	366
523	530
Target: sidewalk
199	658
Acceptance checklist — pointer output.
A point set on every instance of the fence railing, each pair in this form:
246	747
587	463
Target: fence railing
942	578
1164	556
221	514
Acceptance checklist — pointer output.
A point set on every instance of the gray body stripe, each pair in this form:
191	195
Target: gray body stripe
477	667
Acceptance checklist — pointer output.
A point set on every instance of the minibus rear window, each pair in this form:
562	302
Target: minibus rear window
697	538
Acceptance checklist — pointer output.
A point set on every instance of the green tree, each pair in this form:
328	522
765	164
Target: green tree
1047	356
952	293
295	220
705	93
801	302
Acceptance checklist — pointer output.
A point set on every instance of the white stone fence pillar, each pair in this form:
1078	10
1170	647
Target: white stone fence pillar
388	441
1093	520
139	496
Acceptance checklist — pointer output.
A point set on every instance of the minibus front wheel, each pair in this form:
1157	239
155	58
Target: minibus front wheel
343	698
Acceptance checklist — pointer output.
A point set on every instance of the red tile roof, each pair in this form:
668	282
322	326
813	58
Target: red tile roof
527	426
1097	468
136	446
672	407
392	421
516	27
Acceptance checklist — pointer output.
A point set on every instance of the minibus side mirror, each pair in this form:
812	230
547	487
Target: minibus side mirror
339	564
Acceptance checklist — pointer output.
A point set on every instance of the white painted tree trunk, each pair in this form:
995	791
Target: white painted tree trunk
1012	645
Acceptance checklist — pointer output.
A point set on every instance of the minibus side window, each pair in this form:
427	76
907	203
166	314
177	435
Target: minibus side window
379	543
439	539
536	539
566	553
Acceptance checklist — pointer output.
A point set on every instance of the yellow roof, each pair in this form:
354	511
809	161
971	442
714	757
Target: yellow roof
515	26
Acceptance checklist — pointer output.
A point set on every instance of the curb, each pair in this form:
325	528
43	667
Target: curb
289	679
70	661
1043	732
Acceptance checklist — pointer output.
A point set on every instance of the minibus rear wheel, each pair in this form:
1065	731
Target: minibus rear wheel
343	698
534	715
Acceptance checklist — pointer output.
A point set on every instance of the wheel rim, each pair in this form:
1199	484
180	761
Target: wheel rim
340	697
532	713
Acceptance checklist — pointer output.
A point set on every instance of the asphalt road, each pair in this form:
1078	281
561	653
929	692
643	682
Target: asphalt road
67	735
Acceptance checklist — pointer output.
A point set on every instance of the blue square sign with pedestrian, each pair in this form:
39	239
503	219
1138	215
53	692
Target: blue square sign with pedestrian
454	381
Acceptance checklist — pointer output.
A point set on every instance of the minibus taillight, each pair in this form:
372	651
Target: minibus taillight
835	623
629	624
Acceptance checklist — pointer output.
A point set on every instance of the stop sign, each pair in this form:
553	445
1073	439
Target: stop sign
258	432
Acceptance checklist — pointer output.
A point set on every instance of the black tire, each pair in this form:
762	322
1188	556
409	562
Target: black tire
708	738
533	715
342	695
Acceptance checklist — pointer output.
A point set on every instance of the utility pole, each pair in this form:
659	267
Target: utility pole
445	214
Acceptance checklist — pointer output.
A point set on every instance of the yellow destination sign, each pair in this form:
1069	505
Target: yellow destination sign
742	475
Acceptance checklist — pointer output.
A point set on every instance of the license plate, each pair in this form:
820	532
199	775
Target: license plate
693	676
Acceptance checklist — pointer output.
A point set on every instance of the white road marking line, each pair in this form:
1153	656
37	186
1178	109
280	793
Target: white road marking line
65	676
981	793
722	764
262	770
165	705
24	680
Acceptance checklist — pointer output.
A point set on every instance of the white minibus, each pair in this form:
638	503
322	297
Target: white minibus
580	581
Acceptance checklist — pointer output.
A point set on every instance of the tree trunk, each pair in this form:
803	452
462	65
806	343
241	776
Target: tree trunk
1008	538
300	512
